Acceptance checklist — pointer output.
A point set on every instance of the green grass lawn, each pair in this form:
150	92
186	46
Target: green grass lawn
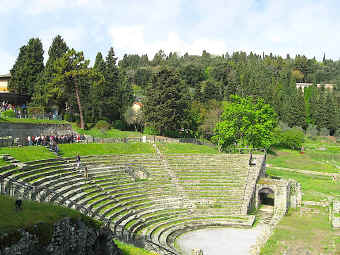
321	161
32	213
187	148
301	233
70	150
35	121
27	153
111	133
314	187
128	249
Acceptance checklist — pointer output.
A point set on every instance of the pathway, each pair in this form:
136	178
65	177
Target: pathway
173	178
220	241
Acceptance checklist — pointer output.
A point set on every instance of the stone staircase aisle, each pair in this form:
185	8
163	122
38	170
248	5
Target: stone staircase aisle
265	214
173	178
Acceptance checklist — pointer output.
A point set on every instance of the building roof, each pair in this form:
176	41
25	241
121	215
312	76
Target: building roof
5	75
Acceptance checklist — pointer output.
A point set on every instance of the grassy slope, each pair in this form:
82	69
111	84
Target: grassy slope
314	187
111	133
36	121
321	161
28	153
187	148
69	150
301	233
32	213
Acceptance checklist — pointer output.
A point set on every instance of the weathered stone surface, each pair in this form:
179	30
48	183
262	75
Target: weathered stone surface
28	129
69	237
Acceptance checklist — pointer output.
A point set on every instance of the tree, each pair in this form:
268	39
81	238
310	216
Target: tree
43	94
28	66
332	114
72	70
246	122
166	103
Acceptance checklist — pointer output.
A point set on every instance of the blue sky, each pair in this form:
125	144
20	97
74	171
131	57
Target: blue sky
146	26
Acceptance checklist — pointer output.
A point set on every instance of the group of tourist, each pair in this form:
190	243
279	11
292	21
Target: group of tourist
20	111
51	139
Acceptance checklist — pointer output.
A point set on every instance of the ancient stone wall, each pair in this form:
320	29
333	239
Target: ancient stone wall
28	129
68	237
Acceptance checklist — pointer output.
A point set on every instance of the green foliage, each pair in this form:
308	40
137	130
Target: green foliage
27	68
149	130
166	104
245	122
8	114
34	111
103	125
289	139
44	93
118	124
71	79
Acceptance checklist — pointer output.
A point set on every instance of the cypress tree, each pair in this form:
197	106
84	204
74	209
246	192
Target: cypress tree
166	103
28	66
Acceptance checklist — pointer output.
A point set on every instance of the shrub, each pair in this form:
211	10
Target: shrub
8	114
118	124
103	125
68	117
149	130
36	110
290	139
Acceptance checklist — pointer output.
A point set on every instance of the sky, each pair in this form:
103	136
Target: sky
295	27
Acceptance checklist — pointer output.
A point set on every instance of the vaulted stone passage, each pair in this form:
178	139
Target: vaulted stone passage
266	196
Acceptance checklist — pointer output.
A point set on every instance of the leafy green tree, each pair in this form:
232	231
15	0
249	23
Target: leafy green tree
28	66
246	122
166	103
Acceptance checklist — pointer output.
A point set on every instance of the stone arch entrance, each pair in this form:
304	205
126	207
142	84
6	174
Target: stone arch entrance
266	196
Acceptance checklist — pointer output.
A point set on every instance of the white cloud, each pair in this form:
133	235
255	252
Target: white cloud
73	36
132	39
7	61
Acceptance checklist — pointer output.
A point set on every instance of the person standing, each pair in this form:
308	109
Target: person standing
78	160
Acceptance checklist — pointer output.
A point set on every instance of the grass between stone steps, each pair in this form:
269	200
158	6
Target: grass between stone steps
128	249
71	150
28	153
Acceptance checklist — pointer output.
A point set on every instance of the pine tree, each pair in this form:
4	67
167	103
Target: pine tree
111	87
72	80
44	94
